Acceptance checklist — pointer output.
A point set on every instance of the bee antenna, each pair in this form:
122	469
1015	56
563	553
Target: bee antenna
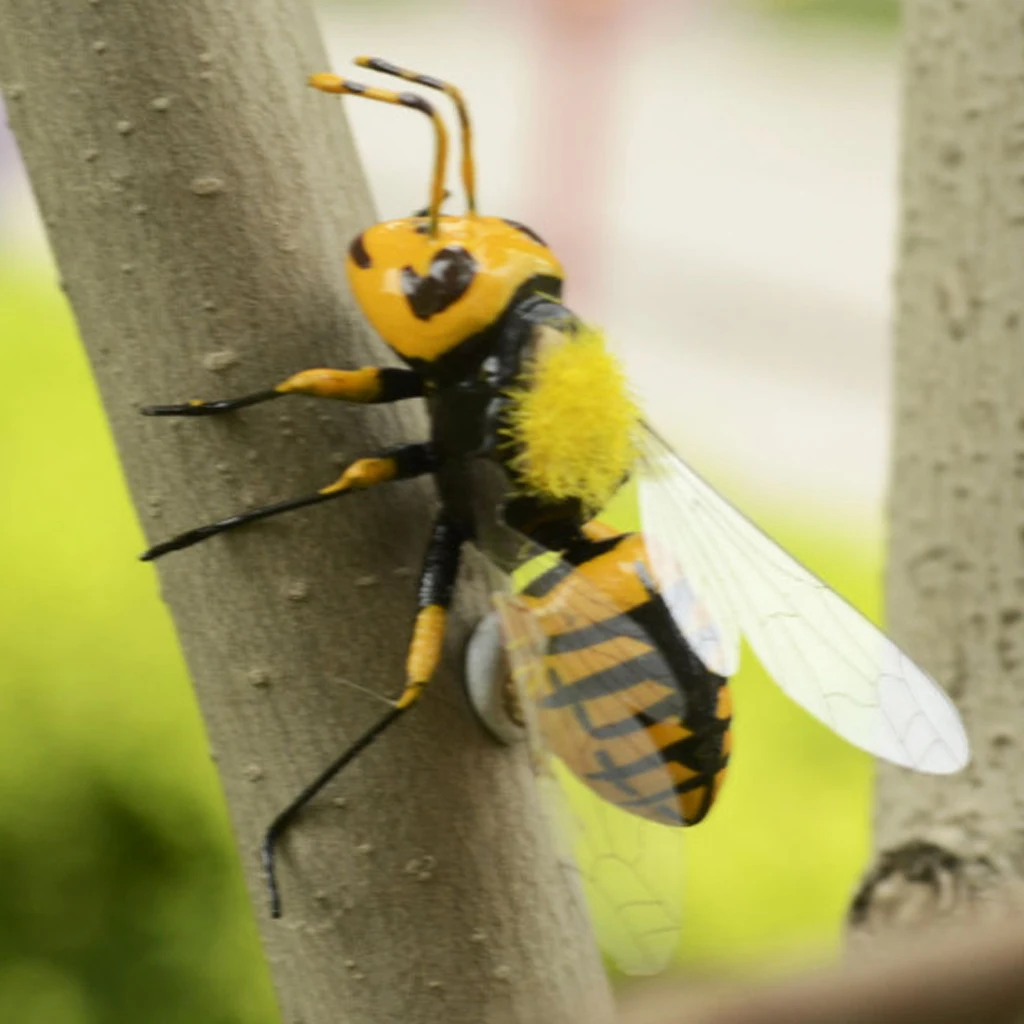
334	84
468	166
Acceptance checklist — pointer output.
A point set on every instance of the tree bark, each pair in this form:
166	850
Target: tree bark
954	976
199	200
956	570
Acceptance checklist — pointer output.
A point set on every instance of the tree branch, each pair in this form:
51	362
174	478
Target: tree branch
199	201
962	977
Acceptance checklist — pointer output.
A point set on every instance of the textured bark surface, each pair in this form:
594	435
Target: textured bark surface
956	572
952	976
199	199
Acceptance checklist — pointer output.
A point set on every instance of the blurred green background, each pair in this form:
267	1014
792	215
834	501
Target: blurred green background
121	900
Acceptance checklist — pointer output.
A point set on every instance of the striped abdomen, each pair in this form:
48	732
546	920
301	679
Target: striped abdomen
618	694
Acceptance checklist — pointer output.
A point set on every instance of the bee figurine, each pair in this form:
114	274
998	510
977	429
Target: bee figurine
623	643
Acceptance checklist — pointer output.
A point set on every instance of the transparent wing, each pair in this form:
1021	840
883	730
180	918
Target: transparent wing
587	682
711	634
822	653
630	871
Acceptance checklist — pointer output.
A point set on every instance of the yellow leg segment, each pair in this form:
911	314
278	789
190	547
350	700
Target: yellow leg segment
368	384
424	653
595	530
363	385
363	473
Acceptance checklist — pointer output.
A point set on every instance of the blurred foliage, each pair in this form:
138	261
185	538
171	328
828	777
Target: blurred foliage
122	900
884	14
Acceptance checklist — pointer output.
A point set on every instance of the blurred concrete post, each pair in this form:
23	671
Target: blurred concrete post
956	569
199	200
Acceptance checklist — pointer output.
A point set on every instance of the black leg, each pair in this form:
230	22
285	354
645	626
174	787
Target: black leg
399	463
194	536
280	824
211	408
437	581
370	384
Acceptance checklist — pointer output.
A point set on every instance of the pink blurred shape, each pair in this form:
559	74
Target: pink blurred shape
581	51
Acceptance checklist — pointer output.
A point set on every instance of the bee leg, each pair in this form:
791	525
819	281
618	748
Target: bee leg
399	463
437	581
368	385
597	531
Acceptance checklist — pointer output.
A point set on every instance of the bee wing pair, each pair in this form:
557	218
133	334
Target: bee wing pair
721	579
820	651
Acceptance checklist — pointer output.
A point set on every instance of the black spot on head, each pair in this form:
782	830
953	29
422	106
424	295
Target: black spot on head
360	257
529	232
451	273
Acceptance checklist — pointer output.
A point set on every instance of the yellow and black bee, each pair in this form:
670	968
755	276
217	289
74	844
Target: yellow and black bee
623	644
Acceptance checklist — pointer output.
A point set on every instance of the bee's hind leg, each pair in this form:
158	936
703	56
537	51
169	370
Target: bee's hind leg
437	582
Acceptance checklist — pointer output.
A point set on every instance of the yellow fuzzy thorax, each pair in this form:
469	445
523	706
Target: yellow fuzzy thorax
574	421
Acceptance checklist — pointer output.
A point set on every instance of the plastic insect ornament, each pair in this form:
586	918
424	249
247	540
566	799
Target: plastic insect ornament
623	644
